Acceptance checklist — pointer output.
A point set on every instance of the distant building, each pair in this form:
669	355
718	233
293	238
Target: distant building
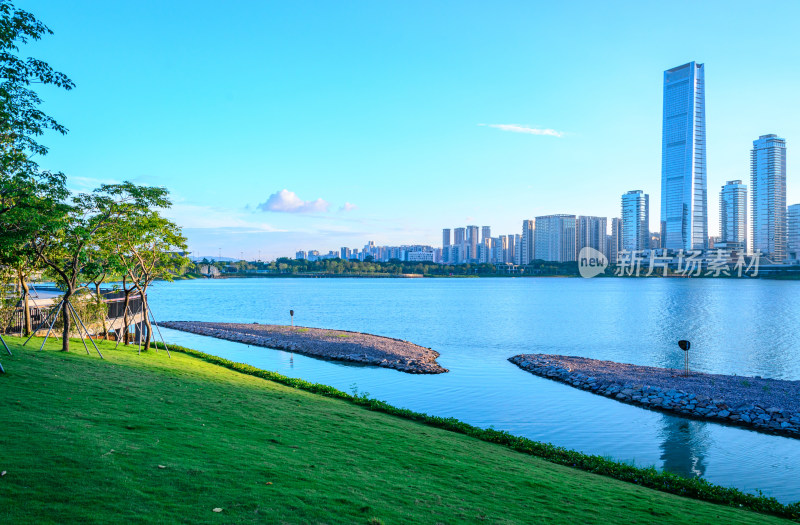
733	215
636	221
768	186
655	240
301	255
473	233
511	252
517	249
500	250
527	249
555	238
793	238
616	240
684	200
592	233
486	233
459	235
445	244
420	256
313	255
344	253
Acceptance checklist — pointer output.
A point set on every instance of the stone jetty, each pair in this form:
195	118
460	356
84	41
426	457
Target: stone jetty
339	345
766	405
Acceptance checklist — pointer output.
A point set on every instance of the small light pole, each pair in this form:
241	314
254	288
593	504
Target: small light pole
685	345
291	315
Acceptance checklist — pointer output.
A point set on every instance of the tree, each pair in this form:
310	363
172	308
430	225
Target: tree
70	232
150	246
156	255
23	188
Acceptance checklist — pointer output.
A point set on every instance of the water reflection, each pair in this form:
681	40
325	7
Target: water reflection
684	443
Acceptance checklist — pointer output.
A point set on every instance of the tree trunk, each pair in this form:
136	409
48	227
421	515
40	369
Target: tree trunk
146	322
99	298
65	316
125	320
26	310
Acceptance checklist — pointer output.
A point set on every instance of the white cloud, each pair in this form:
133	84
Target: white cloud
519	128
286	201
348	207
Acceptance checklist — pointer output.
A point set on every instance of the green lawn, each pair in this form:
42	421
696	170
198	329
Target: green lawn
84	440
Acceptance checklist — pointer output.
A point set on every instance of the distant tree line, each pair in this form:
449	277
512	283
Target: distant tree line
286	266
79	240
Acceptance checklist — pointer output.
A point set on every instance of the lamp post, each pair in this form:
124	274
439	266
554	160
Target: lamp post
685	345
291	316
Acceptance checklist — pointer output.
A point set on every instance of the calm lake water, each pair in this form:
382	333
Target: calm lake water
747	327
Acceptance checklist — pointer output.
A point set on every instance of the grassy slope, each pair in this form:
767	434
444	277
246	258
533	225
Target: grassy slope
82	439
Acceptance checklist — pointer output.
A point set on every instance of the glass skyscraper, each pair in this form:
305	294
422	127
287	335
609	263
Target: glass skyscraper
733	215
793	240
768	187
635	221
684	197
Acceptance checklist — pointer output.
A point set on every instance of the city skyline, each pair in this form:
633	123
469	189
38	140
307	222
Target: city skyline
269	143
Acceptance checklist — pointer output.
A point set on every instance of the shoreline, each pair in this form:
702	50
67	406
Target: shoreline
764	405
335	345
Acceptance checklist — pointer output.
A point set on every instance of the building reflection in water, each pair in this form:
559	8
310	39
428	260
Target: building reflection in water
684	443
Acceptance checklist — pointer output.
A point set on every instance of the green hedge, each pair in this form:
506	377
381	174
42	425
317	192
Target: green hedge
697	488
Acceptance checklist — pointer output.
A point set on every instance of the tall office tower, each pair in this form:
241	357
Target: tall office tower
486	233
459	236
472	240
445	245
592	232
733	215
344	253
684	199
636	221
526	248
793	239
555	238
616	240
768	187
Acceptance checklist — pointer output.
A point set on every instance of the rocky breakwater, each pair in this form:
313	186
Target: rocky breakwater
766	405
337	345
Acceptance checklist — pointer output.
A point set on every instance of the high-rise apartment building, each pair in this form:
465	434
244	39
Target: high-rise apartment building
684	199
472	240
636	221
793	237
616	240
501	250
446	245
733	215
768	189
527	250
515	246
486	233
555	238
459	236
592	232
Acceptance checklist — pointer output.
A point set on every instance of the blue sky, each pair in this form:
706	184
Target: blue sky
377	117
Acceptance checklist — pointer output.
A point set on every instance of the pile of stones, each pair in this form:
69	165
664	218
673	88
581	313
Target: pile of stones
771	419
